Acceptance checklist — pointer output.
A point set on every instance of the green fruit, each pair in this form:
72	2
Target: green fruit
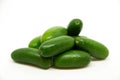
96	49
53	32
35	42
31	56
72	59
74	27
56	46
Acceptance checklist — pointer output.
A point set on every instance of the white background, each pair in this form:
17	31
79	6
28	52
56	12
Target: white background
22	20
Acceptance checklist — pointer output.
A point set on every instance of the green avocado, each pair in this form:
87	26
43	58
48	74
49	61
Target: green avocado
72	59
95	49
56	46
74	27
31	56
35	42
53	32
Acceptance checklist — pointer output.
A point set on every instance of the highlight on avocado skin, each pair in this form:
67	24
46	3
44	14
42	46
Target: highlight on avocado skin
72	59
31	56
61	47
74	27
35	42
56	46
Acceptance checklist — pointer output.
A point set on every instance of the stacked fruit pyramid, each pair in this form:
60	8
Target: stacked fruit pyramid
61	47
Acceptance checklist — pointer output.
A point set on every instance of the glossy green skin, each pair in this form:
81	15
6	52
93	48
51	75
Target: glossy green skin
74	27
56	46
35	42
31	56
96	49
72	59
53	32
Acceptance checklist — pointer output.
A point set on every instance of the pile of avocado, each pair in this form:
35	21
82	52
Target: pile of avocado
61	47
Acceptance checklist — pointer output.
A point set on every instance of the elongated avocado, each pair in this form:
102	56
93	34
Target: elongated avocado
96	49
31	56
56	46
72	59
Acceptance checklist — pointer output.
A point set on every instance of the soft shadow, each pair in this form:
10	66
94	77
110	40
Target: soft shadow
31	65
73	68
94	59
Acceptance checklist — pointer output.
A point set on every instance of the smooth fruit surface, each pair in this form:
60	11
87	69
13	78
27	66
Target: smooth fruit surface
53	32
56	46
31	56
72	59
96	49
35	42
74	27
